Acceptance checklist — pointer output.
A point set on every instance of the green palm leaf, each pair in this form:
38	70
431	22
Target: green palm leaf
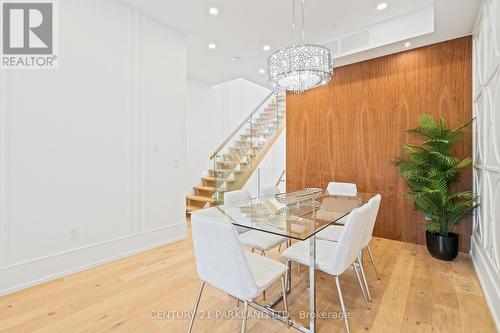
430	168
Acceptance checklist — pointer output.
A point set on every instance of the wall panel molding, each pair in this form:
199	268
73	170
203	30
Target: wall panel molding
485	250
134	129
137	127
487	278
3	166
143	148
353	128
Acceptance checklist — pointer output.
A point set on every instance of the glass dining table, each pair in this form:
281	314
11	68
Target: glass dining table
298	217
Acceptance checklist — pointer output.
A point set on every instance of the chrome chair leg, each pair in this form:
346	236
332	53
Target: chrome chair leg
360	262
285	302
373	261
263	253
361	285
245	316
337	282
196	304
288	274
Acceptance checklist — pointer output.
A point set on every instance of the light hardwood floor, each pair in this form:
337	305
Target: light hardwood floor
416	293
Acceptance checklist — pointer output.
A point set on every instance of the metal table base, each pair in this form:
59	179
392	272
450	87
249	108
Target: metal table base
268	309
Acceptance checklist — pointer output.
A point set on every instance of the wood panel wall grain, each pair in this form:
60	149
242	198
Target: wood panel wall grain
351	129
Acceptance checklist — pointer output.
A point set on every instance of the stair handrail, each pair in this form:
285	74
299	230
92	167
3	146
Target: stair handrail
241	125
281	178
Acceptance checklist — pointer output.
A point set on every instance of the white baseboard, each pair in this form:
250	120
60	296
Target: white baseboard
488	279
40	270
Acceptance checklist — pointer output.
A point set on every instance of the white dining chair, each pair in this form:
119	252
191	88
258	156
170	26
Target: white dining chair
236	198
336	231
222	263
346	189
374	204
253	239
335	258
334	234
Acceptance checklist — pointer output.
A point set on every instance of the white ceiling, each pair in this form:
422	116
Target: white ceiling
242	27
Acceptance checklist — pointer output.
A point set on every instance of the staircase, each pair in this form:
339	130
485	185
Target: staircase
234	161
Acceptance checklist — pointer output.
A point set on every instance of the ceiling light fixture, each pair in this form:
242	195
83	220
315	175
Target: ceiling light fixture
382	6
235	59
407	44
266	48
300	66
212	46
262	71
213	11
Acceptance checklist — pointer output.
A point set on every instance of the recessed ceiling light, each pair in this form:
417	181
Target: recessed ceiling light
213	11
407	44
235	59
262	71
212	46
266	48
382	6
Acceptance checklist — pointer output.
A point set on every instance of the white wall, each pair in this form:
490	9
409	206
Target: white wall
76	145
205	130
485	249
214	112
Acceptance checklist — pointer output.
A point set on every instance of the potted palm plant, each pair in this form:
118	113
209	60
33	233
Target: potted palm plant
429	170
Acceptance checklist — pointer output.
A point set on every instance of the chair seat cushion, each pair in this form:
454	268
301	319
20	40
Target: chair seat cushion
325	251
260	240
264	270
331	233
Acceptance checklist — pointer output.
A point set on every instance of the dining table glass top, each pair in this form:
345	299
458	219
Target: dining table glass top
298	220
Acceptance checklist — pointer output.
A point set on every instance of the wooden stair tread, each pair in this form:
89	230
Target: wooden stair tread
226	170
192	208
200	198
208	188
272	112
212	179
228	162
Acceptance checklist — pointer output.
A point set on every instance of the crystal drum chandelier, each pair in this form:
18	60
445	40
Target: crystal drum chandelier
301	66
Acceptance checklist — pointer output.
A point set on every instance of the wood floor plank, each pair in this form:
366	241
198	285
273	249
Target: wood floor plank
474	312
154	291
388	319
418	309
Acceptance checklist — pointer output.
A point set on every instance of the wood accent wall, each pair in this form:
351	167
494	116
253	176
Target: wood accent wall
351	129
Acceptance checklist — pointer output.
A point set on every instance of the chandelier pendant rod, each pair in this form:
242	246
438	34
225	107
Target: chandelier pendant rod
294	35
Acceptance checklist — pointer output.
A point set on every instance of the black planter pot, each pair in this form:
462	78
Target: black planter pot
440	247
